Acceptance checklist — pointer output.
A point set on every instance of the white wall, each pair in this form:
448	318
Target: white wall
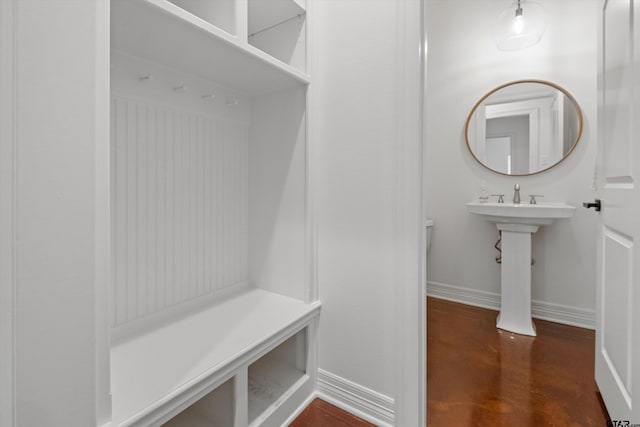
462	65
355	190
7	218
366	133
277	193
57	136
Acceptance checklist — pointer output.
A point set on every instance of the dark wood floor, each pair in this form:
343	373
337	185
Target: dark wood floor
323	414
480	376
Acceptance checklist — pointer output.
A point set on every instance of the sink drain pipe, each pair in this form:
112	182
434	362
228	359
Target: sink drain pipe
498	247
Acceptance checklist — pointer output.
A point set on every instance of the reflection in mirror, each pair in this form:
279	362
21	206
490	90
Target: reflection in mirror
524	127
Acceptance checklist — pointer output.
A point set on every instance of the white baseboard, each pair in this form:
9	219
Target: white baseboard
356	399
464	295
558	313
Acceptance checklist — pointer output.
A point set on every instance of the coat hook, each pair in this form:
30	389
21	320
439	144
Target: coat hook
208	96
145	77
180	87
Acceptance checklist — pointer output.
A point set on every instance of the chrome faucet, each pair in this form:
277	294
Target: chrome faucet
516	194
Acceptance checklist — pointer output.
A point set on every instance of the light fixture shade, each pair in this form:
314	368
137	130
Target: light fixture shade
519	26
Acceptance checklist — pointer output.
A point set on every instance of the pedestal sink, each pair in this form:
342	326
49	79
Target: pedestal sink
518	222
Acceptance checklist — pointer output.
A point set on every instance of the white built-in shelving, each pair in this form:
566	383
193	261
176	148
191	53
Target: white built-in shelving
162	31
212	410
159	372
220	13
274	374
277	27
212	315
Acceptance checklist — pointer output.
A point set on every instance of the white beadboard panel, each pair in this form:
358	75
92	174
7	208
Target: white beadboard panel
180	206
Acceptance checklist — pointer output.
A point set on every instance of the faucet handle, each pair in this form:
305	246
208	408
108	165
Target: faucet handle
500	197
532	199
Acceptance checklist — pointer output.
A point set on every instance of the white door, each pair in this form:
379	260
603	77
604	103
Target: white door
618	282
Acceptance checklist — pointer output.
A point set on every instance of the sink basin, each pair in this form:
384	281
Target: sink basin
542	213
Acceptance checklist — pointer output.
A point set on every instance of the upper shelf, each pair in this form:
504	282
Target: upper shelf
267	14
160	31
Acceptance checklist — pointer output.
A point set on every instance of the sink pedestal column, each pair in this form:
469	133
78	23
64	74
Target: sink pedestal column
515	308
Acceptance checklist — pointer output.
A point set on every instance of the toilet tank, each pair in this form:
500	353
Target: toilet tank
428	223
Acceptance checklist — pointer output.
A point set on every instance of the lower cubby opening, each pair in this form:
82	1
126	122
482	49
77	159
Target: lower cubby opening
215	409
256	390
273	375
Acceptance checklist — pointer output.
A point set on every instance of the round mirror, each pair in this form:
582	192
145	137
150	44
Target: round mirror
523	127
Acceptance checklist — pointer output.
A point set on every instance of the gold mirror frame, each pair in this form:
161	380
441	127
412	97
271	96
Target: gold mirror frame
544	82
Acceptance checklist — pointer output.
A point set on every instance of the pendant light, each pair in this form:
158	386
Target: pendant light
519	26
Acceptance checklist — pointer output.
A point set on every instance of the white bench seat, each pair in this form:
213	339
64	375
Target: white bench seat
155	372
